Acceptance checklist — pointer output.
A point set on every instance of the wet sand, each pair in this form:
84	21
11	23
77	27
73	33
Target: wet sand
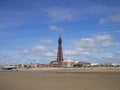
60	81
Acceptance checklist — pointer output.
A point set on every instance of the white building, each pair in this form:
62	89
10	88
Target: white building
68	63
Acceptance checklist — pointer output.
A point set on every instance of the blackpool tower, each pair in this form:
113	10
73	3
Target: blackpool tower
59	53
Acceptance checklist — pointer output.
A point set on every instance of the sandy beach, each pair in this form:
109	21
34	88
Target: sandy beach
60	81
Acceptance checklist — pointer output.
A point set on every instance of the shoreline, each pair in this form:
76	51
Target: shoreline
55	69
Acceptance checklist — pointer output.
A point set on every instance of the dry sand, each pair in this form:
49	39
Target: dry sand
60	81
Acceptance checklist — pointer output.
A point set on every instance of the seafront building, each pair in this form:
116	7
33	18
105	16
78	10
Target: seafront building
69	63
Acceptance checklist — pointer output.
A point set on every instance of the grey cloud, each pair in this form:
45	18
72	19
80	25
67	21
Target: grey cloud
105	40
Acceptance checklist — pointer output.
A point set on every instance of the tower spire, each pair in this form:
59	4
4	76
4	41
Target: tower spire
59	53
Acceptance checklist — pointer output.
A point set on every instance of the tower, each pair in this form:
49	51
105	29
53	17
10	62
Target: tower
59	53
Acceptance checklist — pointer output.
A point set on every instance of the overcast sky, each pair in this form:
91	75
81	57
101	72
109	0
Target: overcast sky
29	29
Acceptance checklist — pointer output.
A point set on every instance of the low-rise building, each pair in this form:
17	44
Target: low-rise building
82	64
68	63
54	64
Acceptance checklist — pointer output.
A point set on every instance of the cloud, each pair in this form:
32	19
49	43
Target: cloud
117	54
18	17
102	21
25	52
95	49
6	57
70	52
113	18
86	53
104	40
10	59
101	38
107	43
55	28
38	48
60	14
46	41
11	18
39	51
57	14
50	54
84	43
95	44
111	58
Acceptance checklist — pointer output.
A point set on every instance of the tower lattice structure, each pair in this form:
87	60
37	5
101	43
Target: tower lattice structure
59	53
